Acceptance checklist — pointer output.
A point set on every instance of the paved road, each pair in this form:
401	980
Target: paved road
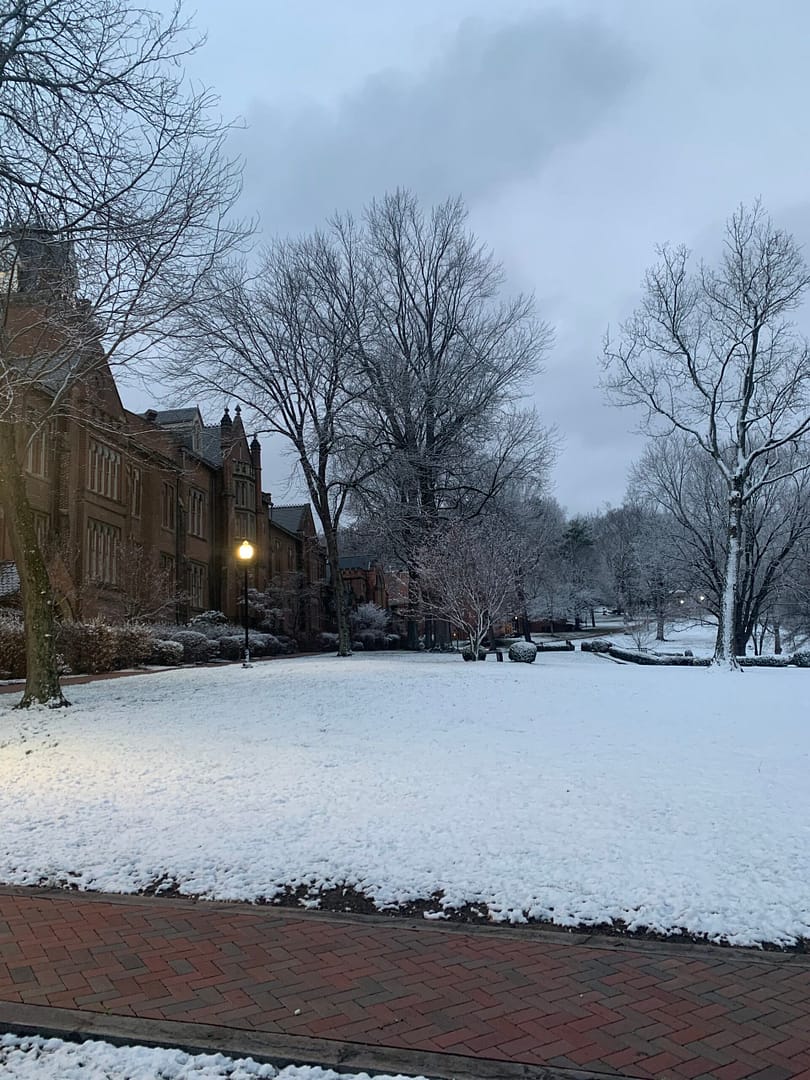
599	1005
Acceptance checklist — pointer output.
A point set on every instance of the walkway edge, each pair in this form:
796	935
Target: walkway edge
547	933
75	1025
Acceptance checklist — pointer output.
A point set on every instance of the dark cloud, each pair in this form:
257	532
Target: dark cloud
489	109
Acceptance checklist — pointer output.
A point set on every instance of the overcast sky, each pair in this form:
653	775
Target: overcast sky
580	134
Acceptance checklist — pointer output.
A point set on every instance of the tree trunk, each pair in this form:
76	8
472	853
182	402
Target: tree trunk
412	624
659	627
777	639
42	674
725	651
520	594
338	593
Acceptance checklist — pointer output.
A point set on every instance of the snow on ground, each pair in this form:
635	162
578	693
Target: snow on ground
697	635
35	1058
572	789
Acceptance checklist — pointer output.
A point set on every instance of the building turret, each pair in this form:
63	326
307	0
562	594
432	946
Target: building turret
226	429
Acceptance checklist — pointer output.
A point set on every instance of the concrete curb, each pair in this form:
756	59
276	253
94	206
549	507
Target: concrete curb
76	1026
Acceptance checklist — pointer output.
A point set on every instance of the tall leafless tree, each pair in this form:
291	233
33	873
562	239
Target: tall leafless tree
677	477
114	194
713	354
282	341
443	360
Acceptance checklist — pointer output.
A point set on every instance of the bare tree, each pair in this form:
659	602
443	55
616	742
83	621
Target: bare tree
712	354
283	343
676	476
467	572
443	359
113	198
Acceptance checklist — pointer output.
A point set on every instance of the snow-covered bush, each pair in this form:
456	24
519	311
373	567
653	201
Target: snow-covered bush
600	645
87	647
286	645
197	648
166	653
800	659
214	631
208	618
133	644
392	641
369	624
327	641
467	653
12	647
763	661
232	646
523	652
357	646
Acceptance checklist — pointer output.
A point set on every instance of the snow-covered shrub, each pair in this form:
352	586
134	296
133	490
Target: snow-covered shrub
214	631
87	647
600	645
555	646
133	644
392	641
286	645
208	618
369	623
763	661
357	646
523	652
166	653
800	659
12	647
232	647
197	648
467	653
327	641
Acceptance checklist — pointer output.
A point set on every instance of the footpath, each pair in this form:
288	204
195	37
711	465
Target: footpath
391	995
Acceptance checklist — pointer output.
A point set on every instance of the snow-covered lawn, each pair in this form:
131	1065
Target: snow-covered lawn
572	789
34	1058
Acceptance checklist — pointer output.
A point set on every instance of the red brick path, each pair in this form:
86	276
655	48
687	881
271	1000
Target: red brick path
636	1010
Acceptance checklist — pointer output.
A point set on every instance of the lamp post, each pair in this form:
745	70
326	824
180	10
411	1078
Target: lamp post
245	553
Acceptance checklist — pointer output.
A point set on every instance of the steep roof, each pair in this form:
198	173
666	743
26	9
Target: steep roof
290	518
211	444
185	426
170	417
358	562
9	580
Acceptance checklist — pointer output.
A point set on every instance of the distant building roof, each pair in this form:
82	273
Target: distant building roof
211	445
170	417
290	518
9	580
358	562
187	428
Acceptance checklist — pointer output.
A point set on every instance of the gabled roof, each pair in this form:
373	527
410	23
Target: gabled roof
170	417
211	444
290	518
359	562
9	580
186	427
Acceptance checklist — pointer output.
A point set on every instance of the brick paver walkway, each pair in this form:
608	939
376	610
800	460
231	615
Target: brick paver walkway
595	1004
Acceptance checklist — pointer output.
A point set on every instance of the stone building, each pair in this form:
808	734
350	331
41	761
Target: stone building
137	515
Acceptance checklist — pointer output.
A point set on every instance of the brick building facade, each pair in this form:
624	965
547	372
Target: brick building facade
141	515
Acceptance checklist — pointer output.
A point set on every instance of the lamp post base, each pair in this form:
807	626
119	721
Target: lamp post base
246	662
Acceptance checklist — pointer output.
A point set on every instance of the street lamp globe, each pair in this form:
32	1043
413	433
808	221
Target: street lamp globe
245	553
